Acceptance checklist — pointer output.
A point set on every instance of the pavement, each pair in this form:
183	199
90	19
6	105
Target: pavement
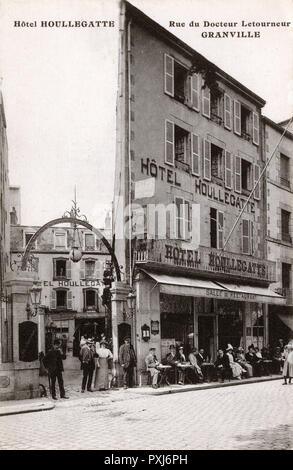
256	416
73	391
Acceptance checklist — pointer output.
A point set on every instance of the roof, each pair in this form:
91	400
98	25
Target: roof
278	127
180	45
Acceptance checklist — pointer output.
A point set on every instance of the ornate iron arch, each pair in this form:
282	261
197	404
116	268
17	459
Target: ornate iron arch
72	220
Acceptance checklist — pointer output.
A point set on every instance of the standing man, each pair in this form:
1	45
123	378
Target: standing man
87	355
53	362
127	360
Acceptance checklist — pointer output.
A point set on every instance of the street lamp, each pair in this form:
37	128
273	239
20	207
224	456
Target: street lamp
131	302
35	298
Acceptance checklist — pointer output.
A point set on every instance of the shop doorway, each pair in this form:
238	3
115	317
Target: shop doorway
206	335
177	329
84	326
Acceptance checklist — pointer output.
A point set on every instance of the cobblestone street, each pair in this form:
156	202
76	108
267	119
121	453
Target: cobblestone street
256	416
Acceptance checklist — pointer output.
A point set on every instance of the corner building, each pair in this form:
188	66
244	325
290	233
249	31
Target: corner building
189	135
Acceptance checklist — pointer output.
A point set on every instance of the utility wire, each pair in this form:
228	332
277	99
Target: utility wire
256	184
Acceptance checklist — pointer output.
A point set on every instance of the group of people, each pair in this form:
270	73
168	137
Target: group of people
230	363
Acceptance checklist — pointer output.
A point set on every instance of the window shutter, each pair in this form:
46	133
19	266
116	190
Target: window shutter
220	230
54	268
169	75
245	236
53	300
237	117
169	143
251	231
207	160
97	269
187	220
237	174
82	269
206	102
69	300
227	112
228	170
255	137
195	154
68	269
256	176
195	91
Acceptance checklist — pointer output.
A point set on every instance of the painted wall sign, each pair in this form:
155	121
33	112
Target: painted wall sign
87	283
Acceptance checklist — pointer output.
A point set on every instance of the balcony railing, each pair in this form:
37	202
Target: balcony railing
286	237
285	182
170	252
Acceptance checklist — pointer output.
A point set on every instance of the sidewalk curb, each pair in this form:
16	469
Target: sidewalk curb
27	408
215	385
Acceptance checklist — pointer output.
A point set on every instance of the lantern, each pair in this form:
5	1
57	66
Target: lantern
145	332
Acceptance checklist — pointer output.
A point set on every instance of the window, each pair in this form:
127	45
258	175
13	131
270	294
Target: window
286	275
27	237
217	162
61	269
182	218
89	241
216	106
89	269
175	79
255	327
245	117
247	237
60	240
284	170
217	228
246	175
90	299
246	122
177	146
61	299
285	226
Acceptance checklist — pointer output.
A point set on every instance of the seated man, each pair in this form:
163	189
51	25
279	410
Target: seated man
172	360
252	359
193	361
151	363
207	369
181	372
222	365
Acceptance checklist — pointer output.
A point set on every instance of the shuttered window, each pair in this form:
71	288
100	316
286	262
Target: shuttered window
195	91
169	142
207	160
206	102
237	174
227	112
237	117
256	177
245	237
182	218
217	229
169	75
228	170
195	157
255	136
69	300
220	230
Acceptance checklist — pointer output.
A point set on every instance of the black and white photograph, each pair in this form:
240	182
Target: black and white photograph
146	227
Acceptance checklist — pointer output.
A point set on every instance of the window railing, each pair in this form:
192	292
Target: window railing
285	182
182	165
246	136
286	237
216	118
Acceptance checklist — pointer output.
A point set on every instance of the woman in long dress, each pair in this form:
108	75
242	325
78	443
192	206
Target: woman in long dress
102	368
235	367
288	364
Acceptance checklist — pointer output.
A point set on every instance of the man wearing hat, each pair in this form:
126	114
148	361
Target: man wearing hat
87	355
127	360
152	363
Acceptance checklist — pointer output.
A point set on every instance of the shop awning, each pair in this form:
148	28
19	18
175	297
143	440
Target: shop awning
287	318
179	285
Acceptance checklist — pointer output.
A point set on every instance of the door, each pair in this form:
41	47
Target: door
206	334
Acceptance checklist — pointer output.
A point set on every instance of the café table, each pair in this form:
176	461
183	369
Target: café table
208	369
164	373
183	366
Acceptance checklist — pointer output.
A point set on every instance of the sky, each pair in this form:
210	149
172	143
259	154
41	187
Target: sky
59	87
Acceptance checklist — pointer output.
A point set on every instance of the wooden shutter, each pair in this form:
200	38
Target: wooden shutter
228	169
169	75
206	102
251	234
237	117
237	185
255	135
68	269
256	176
54	268
187	220
169	142
195	154
195	91
69	300
220	230
227	112
53	300
207	160
82	269
245	237
97	269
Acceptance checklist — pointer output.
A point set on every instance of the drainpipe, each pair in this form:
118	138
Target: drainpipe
129	153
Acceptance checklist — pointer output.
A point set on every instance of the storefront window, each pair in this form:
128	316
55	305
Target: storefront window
255	327
230	323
